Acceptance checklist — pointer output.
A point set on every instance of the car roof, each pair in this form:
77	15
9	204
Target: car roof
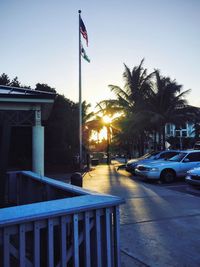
167	151
191	150
171	150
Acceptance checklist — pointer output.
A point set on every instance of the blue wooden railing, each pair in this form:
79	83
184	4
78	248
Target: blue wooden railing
51	223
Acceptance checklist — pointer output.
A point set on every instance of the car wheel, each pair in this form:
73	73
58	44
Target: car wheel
168	176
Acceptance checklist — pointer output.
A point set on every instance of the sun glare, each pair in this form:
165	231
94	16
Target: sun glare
107	119
103	134
99	136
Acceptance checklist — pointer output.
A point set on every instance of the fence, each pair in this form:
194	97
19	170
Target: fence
50	223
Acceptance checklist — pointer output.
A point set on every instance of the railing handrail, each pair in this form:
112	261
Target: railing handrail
86	201
59	207
71	226
55	183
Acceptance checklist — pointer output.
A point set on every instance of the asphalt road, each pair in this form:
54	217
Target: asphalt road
159	223
180	185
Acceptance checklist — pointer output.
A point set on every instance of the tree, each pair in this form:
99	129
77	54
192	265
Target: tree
44	88
107	112
4	79
61	132
94	124
166	104
131	100
15	82
86	126
149	102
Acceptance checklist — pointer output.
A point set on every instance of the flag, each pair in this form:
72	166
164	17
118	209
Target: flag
83	31
84	55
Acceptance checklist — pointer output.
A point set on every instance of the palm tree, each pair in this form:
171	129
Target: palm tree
131	99
137	83
166	104
86	114
91	122
94	124
148	104
107	110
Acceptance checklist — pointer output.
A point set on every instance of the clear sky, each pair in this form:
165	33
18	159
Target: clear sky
39	43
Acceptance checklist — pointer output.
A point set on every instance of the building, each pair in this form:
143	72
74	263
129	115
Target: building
186	130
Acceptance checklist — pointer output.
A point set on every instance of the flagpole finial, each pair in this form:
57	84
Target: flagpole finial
79	11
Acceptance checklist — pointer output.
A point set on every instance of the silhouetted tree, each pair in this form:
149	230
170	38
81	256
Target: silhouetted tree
166	104
4	79
131	99
15	82
62	132
149	102
44	87
86	129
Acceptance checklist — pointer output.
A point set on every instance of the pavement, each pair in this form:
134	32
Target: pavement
158	227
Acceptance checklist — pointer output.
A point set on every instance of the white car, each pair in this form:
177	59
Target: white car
168	170
193	177
149	157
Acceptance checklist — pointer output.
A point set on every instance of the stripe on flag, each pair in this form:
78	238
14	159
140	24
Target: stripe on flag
83	31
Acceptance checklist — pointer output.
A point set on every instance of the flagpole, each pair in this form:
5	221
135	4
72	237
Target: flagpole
80	97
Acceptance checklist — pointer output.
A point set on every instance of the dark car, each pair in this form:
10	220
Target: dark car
158	155
197	145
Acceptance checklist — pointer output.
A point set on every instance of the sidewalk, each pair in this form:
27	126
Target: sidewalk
159	227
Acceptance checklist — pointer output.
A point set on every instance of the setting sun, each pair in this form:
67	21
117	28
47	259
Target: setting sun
107	119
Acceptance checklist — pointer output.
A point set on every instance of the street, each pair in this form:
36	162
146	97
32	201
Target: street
160	224
179	185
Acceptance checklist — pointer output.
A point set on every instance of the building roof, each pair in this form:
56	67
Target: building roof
23	99
11	93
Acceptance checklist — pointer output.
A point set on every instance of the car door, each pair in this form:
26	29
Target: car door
191	161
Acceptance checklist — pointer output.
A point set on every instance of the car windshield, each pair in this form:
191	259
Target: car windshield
150	155
145	156
153	155
178	157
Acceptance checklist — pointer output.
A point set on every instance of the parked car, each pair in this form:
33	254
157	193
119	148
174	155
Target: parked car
168	170
193	177
197	145
149	157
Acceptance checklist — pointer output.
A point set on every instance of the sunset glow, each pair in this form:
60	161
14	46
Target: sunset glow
107	119
99	136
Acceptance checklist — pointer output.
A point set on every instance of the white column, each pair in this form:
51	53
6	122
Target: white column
38	145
